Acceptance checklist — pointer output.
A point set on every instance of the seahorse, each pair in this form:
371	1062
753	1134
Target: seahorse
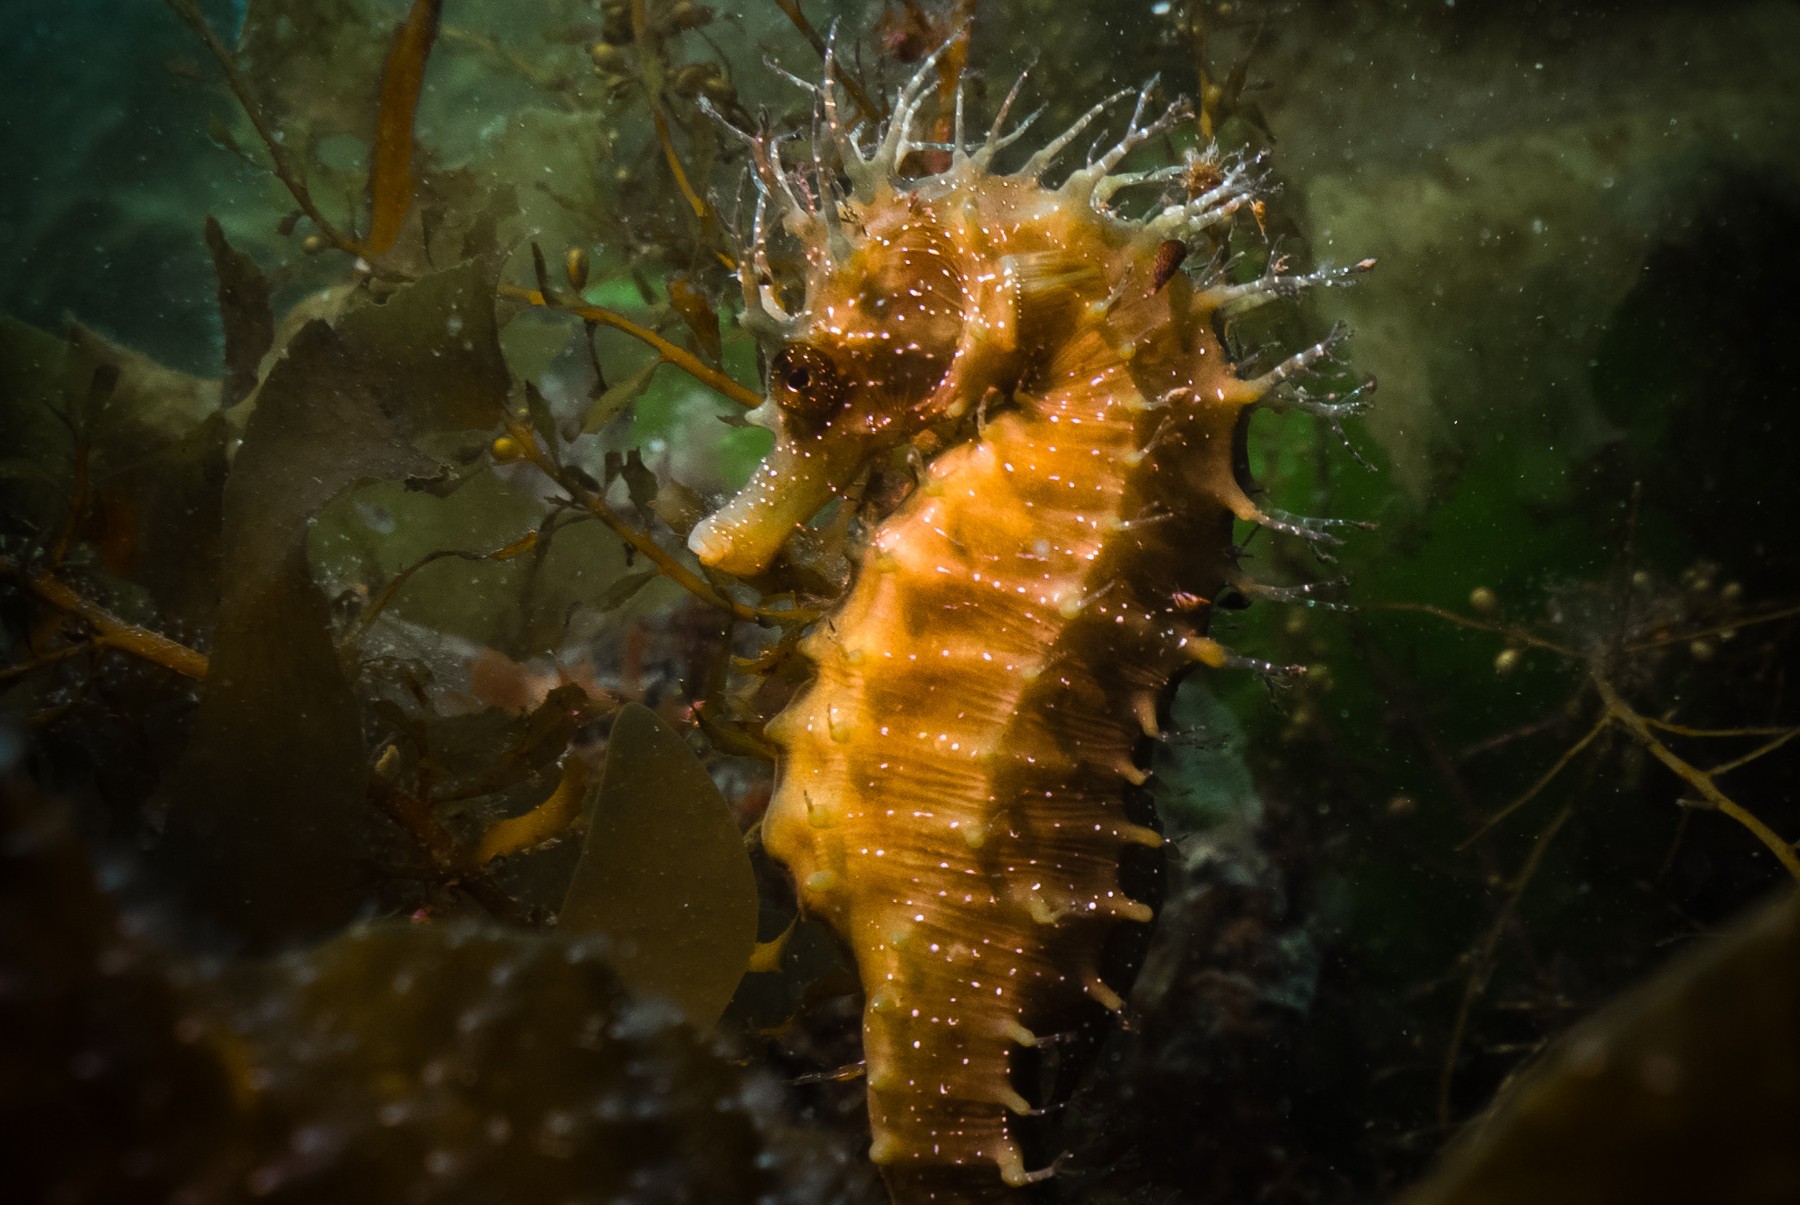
954	785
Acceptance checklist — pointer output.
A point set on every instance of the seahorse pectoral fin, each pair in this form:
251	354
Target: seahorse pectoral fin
788	488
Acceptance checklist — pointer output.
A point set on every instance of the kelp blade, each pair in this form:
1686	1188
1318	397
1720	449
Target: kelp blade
664	874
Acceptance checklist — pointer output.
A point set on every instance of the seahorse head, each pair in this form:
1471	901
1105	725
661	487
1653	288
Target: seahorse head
895	335
923	297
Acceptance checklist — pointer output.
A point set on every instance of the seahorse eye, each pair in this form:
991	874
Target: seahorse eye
806	384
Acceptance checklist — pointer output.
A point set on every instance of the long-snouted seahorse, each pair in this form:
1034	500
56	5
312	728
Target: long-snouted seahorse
953	784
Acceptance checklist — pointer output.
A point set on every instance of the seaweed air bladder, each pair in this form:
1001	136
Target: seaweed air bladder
957	785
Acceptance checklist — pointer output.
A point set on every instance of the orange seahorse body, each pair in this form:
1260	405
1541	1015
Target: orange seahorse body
953	784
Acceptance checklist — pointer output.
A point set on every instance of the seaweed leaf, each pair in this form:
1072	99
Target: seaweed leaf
697	310
640	484
268	821
664	873
117	452
390	173
542	823
624	588
607	406
244	309
543	418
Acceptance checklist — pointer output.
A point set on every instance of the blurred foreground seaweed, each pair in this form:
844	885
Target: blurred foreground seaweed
447	1062
1686	1089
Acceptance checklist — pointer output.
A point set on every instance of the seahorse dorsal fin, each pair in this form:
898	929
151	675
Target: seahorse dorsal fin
1048	290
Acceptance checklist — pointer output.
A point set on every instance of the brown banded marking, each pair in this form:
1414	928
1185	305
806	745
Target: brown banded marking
953	785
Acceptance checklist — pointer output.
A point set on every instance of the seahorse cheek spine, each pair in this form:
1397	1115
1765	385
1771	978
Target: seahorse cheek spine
952	793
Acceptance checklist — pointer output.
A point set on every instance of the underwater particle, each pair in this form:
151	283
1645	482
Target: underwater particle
1507	660
1484	602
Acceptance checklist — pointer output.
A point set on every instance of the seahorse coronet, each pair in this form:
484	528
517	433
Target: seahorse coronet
958	784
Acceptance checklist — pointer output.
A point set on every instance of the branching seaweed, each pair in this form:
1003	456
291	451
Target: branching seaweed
108	630
1645	628
281	162
1615	713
